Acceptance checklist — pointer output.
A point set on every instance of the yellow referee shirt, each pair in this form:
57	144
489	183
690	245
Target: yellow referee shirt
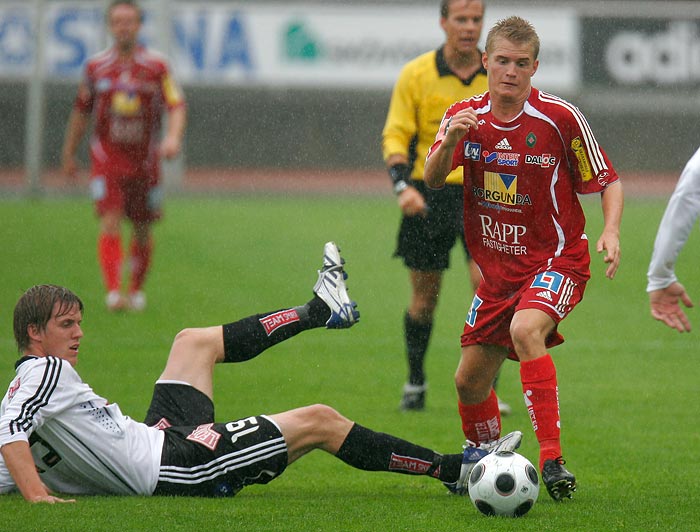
425	89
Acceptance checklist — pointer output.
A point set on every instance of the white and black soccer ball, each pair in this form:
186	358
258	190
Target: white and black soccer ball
504	483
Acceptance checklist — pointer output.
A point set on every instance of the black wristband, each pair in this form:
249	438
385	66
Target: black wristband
399	172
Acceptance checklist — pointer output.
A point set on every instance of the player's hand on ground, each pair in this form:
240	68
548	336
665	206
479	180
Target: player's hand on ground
412	202
610	243
665	306
50	499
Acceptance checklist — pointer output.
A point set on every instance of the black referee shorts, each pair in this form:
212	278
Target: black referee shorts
206	459
425	242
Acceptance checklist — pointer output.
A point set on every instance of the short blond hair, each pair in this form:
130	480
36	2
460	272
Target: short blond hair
516	30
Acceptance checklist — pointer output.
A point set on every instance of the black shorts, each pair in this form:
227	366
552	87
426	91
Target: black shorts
425	243
206	459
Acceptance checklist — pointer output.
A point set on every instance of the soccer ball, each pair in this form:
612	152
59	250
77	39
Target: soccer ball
504	483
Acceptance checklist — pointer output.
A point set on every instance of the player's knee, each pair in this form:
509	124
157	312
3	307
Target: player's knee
193	341
323	415
524	336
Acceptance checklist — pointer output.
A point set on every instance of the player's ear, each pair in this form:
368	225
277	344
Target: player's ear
33	332
535	65
485	60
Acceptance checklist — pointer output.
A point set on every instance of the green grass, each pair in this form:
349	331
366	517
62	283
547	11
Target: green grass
628	385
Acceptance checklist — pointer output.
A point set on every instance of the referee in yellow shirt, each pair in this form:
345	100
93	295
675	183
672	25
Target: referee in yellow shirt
431	219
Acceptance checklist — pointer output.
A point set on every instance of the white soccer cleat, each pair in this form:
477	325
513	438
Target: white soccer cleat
115	301
331	288
137	301
472	454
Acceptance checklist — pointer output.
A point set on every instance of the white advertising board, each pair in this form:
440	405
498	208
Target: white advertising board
292	45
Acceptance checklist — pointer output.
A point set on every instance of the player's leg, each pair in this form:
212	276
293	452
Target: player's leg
108	197
195	351
424	244
110	257
322	427
533	330
477	402
418	325
142	205
140	251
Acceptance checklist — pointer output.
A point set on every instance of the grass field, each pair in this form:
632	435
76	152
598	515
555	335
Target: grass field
628	385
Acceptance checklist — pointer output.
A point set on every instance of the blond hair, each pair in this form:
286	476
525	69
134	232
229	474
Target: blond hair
516	30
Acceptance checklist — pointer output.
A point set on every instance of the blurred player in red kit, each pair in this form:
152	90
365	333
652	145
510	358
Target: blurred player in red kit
526	155
126	89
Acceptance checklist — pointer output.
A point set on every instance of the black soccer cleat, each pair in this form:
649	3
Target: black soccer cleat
560	482
413	396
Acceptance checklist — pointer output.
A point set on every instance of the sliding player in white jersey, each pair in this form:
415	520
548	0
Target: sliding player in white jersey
58	435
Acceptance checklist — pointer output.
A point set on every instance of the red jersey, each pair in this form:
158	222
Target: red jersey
521	179
127	99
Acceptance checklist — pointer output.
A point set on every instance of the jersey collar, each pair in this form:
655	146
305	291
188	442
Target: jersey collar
444	70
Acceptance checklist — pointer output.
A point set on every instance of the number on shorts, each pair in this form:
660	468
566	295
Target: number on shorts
242	427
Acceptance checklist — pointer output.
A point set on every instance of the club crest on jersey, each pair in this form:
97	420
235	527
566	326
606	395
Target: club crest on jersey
472	150
531	140
502	188
274	321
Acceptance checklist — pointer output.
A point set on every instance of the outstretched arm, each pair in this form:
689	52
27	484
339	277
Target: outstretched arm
612	202
19	461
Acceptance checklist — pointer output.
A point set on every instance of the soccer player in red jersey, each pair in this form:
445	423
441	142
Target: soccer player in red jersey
526	155
126	89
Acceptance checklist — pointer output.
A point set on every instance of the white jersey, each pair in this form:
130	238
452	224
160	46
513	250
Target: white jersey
81	444
682	211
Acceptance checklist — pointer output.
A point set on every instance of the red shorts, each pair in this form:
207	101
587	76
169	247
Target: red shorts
488	321
138	197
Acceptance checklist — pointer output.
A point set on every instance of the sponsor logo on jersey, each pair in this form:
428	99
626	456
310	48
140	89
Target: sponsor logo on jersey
584	165
13	388
205	435
603	178
504	145
272	322
501	188
126	104
408	463
531	140
502	237
472	150
502	158
545	160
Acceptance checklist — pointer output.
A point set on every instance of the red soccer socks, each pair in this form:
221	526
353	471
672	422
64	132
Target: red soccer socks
539	380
